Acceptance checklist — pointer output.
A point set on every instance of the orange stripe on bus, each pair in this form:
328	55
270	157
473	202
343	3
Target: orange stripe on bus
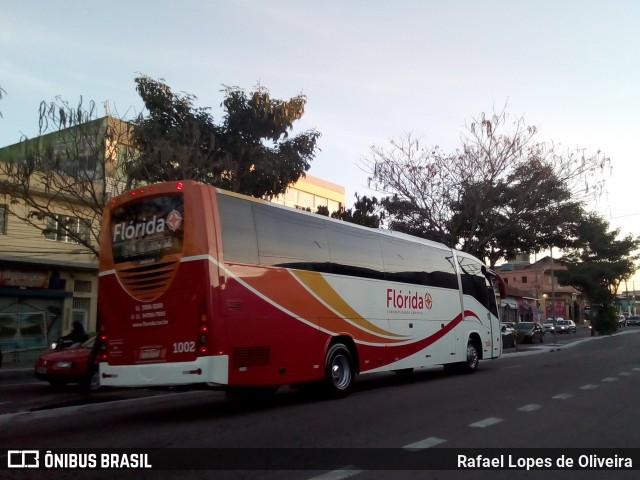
282	288
319	286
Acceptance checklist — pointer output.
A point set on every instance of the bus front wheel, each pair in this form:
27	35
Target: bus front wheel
473	357
339	372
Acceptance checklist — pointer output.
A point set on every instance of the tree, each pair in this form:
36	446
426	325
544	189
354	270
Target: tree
492	196
513	217
60	181
365	211
249	152
598	265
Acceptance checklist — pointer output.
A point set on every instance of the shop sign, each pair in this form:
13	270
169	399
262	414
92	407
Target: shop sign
24	278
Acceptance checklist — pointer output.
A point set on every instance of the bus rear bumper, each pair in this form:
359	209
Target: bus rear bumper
213	369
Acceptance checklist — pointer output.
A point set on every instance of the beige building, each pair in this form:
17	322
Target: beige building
48	280
311	192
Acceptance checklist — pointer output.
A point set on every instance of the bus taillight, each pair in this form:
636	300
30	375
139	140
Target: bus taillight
102	354
202	337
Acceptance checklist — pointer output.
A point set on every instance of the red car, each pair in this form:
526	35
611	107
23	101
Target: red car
70	365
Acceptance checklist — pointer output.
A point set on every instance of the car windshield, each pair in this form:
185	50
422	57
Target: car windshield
525	326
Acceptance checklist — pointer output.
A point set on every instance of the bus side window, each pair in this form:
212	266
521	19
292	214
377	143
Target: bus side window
238	230
402	261
291	240
439	267
355	252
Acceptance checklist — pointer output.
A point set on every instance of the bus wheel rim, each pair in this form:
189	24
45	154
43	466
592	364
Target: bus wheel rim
472	355
340	372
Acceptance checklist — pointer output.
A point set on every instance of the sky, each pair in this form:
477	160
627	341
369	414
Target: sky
372	70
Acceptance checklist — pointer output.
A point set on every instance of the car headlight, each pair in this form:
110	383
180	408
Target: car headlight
64	364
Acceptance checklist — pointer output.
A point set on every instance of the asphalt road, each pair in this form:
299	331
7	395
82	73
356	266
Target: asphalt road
20	391
578	396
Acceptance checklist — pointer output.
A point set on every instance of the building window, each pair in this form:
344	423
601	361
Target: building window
82	286
62	228
80	311
320	202
4	219
524	279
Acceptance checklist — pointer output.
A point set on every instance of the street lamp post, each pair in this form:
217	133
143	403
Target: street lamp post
553	302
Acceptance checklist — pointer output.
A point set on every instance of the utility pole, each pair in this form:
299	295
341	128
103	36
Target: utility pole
553	301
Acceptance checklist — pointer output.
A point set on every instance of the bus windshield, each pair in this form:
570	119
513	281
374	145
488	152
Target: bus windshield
148	228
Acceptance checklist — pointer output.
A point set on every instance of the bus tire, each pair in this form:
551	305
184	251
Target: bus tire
339	371
470	365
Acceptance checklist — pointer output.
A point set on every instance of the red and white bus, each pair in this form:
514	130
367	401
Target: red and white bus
200	285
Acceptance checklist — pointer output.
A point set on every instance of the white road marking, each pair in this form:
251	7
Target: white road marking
624	374
588	387
486	422
426	443
562	396
337	474
530	408
610	379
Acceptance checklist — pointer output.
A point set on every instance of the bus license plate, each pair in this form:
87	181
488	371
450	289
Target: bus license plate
150	354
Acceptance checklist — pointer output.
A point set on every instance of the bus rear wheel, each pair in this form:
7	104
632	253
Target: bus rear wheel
339	372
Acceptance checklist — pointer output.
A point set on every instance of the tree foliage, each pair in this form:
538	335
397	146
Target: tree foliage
365	211
499	193
250	151
598	264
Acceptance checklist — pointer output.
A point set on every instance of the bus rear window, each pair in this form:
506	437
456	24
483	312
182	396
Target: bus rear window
147	229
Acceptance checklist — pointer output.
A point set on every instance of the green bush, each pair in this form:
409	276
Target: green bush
606	322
